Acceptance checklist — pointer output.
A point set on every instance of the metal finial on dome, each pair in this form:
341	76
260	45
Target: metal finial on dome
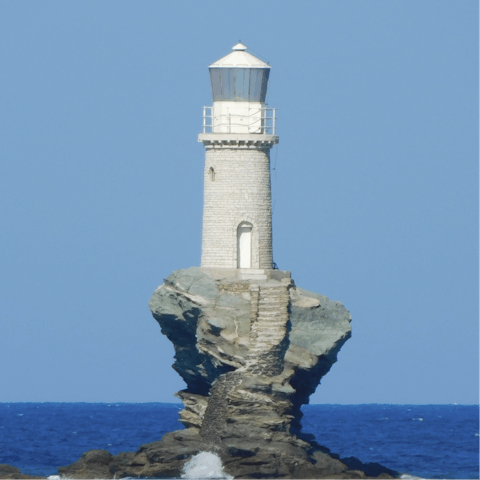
239	46
239	58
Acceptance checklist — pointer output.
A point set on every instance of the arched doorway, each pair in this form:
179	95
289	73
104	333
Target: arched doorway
244	245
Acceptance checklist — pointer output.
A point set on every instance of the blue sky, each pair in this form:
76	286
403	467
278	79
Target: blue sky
375	186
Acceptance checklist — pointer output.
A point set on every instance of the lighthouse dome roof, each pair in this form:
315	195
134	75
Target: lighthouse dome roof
239	58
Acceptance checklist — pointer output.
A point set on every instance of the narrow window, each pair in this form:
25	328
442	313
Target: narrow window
211	174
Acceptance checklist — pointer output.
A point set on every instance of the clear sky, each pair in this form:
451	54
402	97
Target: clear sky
375	186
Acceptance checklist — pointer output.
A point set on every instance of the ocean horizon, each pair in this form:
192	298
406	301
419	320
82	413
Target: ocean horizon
421	440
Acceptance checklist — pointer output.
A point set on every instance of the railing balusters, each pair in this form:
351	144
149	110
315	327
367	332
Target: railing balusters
267	119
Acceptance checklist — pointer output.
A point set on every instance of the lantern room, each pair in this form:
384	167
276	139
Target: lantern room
239	88
239	77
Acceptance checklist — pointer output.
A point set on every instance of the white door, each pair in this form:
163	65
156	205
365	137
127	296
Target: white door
245	247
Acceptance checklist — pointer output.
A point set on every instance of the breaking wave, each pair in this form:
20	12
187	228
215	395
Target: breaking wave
204	465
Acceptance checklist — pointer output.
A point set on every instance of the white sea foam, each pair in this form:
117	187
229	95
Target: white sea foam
61	477
204	465
407	476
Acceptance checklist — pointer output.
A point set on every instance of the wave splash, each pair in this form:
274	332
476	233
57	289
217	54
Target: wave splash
204	465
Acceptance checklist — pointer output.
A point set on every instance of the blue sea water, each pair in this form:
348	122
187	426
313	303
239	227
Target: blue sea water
429	441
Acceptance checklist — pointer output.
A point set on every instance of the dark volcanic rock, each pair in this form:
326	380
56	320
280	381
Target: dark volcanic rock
7	471
92	464
251	353
215	329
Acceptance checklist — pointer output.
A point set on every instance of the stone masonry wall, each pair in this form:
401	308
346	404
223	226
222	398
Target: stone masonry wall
240	192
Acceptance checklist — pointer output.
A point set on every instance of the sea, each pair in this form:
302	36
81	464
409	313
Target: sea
425	441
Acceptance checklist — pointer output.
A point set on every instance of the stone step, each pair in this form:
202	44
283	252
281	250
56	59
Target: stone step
269	337
266	295
272	320
272	341
269	326
269	329
269	316
272	307
260	351
273	311
274	293
280	293
276	318
268	349
282	328
269	322
276	327
256	363
254	355
272	304
267	334
261	342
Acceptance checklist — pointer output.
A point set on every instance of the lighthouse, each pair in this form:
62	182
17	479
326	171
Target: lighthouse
238	134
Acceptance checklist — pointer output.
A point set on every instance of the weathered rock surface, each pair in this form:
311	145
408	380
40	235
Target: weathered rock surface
8	471
251	353
92	464
278	339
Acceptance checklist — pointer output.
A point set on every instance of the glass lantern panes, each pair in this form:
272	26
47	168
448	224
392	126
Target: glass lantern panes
239	84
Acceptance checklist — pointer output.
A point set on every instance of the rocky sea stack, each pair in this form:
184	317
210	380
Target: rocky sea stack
251	352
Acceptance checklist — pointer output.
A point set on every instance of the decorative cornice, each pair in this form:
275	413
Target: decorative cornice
236	140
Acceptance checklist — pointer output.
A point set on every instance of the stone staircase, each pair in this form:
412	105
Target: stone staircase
268	327
269	315
216	412
252	274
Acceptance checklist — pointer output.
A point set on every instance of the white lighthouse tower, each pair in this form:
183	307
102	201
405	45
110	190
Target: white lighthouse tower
238	133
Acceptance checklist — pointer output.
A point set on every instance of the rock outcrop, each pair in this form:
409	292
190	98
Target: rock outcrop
251	353
8	471
268	343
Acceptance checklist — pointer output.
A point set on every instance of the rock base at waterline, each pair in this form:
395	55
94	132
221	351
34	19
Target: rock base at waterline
10	472
251	350
277	459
